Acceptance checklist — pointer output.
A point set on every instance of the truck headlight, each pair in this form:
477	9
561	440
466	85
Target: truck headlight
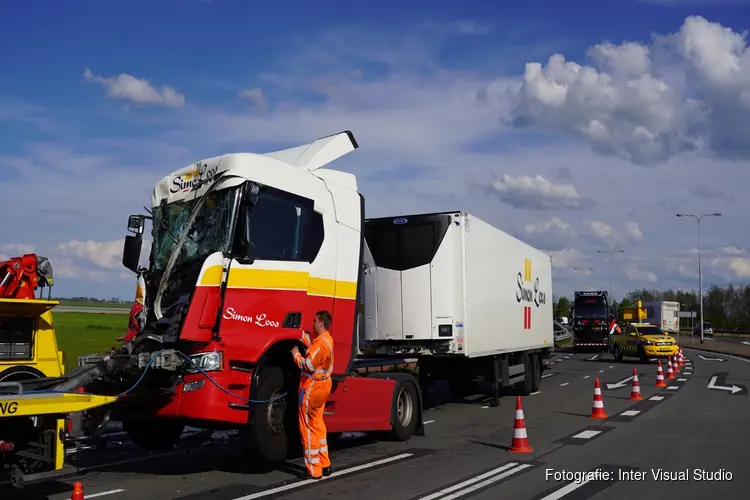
207	361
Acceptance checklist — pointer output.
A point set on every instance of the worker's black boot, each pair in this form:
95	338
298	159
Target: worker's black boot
326	471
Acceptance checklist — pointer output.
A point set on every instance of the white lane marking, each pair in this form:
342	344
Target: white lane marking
103	493
682	380
547	375
594	357
306	482
601	371
485	407
611	366
586	376
473	487
673	387
535	393
564	384
656	398
725	355
428	422
688	373
587	434
557	494
630	413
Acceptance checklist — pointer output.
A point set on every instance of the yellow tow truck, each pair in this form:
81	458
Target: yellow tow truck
34	423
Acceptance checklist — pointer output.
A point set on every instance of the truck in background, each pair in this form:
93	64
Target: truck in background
664	314
591	317
469	300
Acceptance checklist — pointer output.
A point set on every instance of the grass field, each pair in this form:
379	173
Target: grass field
85	333
107	305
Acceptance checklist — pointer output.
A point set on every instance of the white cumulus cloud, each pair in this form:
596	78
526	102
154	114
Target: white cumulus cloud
138	91
634	102
537	193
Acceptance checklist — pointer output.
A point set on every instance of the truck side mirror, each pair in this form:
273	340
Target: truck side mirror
131	252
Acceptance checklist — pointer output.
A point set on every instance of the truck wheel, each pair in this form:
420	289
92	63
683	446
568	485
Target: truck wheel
267	435
537	380
404	412
20	373
525	388
154	435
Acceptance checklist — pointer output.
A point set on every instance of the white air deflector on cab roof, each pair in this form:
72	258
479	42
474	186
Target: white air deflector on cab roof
319	153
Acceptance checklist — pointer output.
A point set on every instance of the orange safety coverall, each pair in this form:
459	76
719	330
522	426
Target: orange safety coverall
314	388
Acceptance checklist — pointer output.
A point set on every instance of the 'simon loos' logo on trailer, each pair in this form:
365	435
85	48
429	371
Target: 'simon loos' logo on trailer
529	292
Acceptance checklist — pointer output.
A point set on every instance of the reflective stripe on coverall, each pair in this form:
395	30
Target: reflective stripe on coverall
314	388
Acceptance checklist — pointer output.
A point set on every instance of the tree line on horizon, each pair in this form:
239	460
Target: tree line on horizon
726	308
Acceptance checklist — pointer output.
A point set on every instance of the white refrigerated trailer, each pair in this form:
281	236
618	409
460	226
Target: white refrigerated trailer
467	299
663	313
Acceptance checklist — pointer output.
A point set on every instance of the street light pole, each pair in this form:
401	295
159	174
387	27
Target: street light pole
610	253
700	268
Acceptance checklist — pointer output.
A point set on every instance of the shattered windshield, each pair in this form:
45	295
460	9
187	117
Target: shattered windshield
209	233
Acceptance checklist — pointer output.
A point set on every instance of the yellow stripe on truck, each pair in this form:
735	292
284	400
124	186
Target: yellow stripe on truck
265	279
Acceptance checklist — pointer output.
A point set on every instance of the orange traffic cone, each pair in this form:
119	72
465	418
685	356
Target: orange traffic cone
670	373
520	438
659	376
675	364
597	411
682	358
635	392
77	491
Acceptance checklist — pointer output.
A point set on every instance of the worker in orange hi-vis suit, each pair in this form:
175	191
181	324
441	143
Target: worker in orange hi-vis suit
315	386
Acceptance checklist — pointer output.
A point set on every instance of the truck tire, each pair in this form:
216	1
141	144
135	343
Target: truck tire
404	411
267	435
154	435
537	364
525	388
20	373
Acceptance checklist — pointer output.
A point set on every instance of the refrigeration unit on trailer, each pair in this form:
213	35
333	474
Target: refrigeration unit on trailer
665	314
462	295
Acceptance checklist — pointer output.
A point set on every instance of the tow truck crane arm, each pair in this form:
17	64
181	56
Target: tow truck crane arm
21	276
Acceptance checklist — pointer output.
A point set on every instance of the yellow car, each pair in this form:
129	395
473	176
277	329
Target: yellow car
644	341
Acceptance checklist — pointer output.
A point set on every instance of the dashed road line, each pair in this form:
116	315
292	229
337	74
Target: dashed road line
585	435
428	422
656	398
564	384
611	366
548	375
682	380
103	493
586	376
673	387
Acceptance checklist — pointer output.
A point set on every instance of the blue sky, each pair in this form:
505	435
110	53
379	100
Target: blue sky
99	100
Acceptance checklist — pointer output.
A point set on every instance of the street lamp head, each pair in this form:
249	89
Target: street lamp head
717	214
620	251
680	215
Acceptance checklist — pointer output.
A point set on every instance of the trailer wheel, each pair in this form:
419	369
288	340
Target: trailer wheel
154	435
525	388
537	364
404	411
267	435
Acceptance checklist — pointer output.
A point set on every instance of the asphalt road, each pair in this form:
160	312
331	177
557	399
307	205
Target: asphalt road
684	428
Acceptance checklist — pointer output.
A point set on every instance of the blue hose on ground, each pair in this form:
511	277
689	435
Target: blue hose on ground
140	379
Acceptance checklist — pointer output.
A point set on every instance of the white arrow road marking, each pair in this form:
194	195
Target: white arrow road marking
621	383
744	360
712	385
709	359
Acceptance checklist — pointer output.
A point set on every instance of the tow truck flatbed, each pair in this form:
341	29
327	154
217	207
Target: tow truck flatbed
33	429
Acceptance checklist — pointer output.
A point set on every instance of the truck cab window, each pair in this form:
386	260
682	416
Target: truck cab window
285	227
